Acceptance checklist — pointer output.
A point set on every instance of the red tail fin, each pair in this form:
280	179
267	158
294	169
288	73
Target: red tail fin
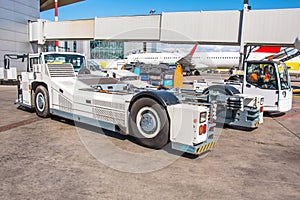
266	49
193	50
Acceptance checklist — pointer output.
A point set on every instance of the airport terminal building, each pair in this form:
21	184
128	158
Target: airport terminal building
14	17
14	34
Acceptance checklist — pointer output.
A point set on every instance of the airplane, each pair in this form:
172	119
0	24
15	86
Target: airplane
199	61
162	57
228	60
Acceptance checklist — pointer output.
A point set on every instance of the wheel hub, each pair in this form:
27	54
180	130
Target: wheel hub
148	123
40	102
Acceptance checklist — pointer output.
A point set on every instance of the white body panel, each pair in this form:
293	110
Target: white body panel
271	96
73	96
285	100
180	126
26	78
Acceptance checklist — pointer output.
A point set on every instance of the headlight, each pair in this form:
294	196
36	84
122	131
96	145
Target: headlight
202	117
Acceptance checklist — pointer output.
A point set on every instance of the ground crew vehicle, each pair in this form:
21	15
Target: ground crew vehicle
153	117
237	110
276	89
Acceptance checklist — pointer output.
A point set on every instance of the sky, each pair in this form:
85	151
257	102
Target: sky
103	8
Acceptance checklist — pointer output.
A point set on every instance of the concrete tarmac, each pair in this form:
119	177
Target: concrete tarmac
49	159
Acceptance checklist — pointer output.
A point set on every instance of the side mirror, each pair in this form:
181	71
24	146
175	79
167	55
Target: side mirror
6	63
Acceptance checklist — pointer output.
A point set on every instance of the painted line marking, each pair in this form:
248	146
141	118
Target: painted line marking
18	124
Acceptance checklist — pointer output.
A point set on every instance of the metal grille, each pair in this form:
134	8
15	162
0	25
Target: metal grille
249	102
61	70
64	104
114	105
112	116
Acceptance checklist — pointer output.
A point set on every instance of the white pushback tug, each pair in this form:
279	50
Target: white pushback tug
56	83
153	117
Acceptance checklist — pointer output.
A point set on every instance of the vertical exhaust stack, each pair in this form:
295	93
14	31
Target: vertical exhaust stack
246	5
56	19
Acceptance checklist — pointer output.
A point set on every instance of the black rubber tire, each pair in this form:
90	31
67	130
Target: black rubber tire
41	100
161	133
197	73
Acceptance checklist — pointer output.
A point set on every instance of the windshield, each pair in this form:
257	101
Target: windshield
77	61
283	76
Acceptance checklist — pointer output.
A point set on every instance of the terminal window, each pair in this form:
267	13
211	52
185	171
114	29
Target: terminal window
106	50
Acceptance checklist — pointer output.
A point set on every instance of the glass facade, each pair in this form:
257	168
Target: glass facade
106	50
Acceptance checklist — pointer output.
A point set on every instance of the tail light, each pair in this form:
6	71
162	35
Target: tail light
261	109
202	129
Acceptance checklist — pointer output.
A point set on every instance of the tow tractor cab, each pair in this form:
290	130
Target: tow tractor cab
77	60
271	80
153	117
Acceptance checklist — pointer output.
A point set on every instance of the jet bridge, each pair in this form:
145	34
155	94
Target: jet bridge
240	27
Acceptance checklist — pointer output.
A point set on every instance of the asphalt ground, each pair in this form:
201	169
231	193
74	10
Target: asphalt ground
56	159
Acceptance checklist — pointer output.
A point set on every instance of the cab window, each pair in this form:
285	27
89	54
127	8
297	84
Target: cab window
262	75
284	76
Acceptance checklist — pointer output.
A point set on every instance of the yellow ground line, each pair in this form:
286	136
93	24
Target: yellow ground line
296	90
